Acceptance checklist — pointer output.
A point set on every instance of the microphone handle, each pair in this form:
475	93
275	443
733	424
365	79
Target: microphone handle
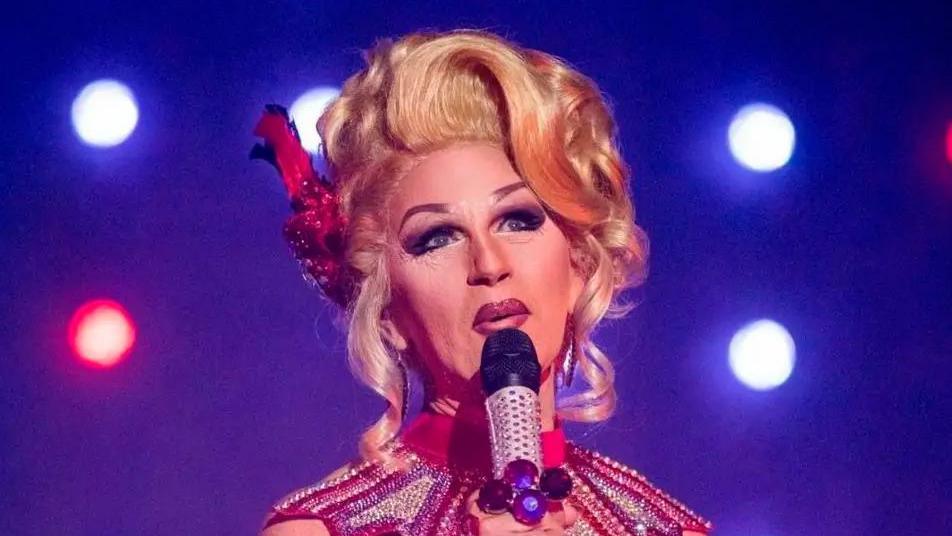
515	427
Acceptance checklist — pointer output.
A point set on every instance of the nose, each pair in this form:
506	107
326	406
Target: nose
489	262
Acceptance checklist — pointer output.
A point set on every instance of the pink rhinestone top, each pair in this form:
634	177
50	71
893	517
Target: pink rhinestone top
448	460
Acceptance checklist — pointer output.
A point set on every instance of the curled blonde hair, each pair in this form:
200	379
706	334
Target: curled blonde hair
427	91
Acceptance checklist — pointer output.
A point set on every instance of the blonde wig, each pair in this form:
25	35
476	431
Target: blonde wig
427	91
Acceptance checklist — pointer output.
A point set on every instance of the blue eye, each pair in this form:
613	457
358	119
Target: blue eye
432	239
515	221
523	220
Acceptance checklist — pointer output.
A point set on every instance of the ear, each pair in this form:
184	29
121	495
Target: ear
391	334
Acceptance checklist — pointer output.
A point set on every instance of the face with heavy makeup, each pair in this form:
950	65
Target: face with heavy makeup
464	232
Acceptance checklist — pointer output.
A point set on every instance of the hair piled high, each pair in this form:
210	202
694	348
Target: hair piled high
427	91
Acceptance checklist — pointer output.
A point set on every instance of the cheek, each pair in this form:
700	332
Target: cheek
550	269
548	279
427	305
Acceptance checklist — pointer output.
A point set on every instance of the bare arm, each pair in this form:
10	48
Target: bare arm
297	527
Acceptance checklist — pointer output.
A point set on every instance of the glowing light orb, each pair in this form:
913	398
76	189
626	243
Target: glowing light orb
101	332
305	111
948	144
762	354
105	113
761	137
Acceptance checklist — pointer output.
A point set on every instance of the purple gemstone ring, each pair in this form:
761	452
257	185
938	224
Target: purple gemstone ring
521	474
519	493
495	497
556	483
529	506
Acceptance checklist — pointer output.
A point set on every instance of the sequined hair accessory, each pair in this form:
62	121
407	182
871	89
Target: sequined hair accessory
315	231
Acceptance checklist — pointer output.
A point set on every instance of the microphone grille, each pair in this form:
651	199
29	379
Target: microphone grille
509	359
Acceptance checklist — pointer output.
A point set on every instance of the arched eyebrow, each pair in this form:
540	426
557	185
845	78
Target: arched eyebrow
443	208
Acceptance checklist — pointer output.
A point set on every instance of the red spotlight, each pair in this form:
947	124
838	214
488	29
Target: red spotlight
101	333
948	144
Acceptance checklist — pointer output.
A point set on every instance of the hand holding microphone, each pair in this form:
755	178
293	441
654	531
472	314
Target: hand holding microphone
511	373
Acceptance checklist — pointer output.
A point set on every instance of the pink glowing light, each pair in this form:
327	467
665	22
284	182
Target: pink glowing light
948	144
101	333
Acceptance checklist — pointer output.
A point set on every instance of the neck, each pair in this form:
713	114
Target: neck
469	406
454	430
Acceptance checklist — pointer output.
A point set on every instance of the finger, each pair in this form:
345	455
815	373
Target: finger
498	524
563	511
505	525
571	514
566	517
558	517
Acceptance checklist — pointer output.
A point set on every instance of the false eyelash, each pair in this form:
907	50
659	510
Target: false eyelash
532	218
419	246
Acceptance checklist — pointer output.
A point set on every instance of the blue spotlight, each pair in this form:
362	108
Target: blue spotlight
762	354
305	111
105	113
761	137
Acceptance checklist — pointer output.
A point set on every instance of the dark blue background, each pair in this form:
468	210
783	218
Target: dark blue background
237	390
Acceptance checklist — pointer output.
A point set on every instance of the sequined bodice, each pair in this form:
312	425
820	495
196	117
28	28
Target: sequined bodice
428	496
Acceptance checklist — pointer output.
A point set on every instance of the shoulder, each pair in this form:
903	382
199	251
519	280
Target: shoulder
288	517
297	527
613	491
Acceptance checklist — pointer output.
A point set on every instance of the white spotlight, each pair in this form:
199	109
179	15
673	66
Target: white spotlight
305	111
105	113
761	137
762	355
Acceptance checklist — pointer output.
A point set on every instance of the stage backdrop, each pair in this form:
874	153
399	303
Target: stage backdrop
235	390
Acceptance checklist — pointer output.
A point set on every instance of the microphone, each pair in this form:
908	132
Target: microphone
511	373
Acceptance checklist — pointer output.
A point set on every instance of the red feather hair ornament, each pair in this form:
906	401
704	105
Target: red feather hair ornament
315	231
